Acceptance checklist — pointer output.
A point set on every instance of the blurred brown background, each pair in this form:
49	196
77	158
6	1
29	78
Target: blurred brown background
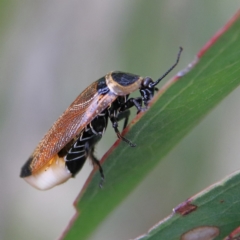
50	51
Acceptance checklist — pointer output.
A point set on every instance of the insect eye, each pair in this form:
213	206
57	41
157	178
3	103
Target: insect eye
147	82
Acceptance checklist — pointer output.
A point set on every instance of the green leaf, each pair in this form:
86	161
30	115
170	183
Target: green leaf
175	112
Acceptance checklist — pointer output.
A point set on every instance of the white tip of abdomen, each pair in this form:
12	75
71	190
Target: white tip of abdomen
51	175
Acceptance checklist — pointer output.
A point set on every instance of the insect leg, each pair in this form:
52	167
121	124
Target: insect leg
137	102
124	115
96	161
115	127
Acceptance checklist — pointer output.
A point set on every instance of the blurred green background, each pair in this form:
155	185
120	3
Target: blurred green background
50	51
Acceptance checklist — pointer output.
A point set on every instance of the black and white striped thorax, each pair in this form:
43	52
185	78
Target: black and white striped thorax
83	147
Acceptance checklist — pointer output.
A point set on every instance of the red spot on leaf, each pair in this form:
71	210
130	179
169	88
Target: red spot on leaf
185	208
234	235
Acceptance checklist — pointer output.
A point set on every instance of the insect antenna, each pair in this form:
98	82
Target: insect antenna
169	70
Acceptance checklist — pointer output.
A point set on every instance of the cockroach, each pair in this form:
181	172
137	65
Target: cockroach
62	152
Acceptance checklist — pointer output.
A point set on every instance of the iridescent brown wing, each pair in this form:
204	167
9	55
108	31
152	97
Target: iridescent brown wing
79	114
